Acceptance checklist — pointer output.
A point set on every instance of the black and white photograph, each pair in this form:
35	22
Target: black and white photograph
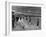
23	18
26	18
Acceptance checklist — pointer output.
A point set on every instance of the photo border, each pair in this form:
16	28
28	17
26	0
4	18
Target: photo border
7	17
